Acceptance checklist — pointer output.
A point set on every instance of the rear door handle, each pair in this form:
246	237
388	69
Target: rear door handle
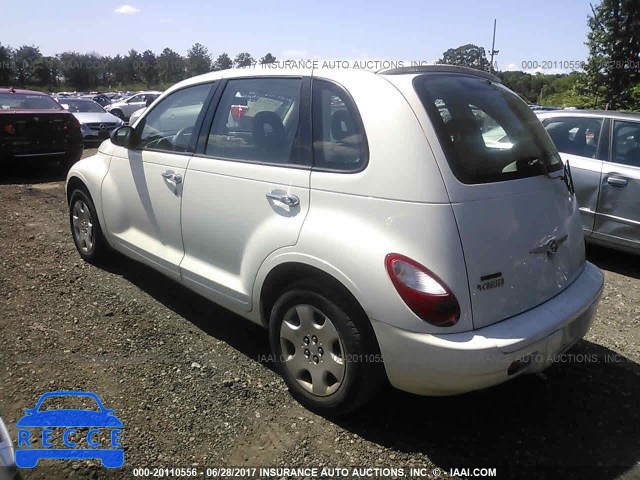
617	182
289	200
171	177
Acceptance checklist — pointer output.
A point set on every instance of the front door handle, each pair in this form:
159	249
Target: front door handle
289	200
174	178
617	182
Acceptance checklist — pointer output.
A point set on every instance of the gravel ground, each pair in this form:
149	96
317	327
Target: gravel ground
189	381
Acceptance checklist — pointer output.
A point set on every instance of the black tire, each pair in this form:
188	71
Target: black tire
99	251
363	367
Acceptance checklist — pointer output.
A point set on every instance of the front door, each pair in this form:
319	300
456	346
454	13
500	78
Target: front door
142	193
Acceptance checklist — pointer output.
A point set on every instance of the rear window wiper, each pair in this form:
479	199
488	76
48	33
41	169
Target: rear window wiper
566	177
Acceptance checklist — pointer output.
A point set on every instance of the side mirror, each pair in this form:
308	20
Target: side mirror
123	136
149	101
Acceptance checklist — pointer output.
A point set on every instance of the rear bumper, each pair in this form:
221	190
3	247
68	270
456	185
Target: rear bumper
447	364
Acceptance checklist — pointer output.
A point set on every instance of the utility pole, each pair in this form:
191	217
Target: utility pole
493	46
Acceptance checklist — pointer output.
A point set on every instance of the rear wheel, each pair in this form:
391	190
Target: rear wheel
325	349
85	228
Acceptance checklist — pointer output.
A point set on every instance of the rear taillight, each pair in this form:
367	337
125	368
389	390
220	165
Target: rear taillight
423	292
237	111
8	129
72	123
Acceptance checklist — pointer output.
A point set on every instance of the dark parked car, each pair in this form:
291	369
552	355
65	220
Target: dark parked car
34	126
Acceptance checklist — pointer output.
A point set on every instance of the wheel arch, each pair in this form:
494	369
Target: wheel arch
290	270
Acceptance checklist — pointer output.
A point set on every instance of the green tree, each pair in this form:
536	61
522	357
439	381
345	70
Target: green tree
268	58
244	60
198	60
614	52
466	56
149	68
132	64
47	71
6	65
223	62
25	62
171	67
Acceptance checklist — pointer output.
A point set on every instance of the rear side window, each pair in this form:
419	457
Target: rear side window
626	143
338	136
487	132
575	136
257	120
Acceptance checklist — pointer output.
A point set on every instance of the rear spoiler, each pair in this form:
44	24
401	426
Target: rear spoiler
440	69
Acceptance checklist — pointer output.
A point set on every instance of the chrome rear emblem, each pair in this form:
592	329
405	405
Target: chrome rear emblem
549	245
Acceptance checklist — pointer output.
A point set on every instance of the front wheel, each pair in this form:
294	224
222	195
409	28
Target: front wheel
85	228
325	349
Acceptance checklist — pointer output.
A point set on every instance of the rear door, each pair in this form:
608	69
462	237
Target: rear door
618	211
142	193
247	192
578	141
519	225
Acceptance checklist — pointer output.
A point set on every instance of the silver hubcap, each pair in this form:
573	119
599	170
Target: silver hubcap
82	226
312	349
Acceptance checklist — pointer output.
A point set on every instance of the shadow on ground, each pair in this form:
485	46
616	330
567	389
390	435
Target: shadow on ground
246	337
580	419
614	260
32	172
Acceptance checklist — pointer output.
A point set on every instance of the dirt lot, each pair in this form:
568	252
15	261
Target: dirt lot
188	380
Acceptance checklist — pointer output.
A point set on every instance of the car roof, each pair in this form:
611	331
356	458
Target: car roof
590	114
266	71
22	92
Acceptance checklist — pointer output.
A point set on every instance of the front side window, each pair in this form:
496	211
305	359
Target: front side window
487	132
338	136
257	120
575	135
170	125
626	143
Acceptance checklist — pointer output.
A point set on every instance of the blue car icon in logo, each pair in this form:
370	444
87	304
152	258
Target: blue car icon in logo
27	456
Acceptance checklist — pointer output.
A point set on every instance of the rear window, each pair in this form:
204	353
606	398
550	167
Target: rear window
20	101
487	132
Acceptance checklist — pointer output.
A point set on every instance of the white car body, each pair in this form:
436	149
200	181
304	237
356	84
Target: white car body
125	108
216	233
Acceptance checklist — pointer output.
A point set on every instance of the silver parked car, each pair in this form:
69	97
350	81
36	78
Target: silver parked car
603	149
123	109
95	122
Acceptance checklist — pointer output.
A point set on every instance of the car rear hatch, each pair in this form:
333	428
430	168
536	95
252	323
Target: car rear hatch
33	132
517	219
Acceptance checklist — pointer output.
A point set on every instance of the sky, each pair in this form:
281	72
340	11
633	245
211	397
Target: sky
407	30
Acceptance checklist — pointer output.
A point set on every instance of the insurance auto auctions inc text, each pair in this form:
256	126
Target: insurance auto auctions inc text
342	64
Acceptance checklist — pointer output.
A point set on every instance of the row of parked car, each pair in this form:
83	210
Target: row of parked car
99	114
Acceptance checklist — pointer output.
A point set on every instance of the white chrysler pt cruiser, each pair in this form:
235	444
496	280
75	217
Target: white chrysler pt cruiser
414	224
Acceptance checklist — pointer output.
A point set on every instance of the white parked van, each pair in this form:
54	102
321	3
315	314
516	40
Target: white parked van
413	224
